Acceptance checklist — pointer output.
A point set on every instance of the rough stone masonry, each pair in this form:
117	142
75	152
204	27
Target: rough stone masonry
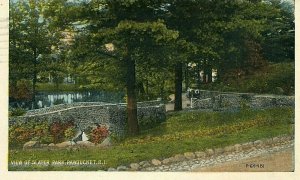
86	115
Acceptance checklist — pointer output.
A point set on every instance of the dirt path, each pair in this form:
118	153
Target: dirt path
276	162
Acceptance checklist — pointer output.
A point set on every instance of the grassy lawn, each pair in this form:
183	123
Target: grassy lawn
182	132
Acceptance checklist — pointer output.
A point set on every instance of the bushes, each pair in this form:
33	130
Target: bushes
98	134
17	112
40	131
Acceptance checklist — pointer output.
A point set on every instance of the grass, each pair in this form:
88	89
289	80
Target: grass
182	132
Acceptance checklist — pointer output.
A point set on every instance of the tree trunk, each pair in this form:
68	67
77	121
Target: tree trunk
209	74
187	82
34	78
198	75
131	98
178	87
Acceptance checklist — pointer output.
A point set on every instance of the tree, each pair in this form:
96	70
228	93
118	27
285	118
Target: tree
30	39
136	35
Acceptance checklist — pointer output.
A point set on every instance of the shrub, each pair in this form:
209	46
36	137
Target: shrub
57	130
17	112
40	131
98	134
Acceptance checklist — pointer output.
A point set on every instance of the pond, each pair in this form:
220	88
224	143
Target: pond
49	99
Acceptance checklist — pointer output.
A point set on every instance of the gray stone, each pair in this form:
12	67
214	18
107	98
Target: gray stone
166	161
145	164
189	155
85	144
210	152
268	141
237	147
111	169
134	166
258	143
200	154
246	146
219	151
105	143
142	163
122	168
179	157
44	145
155	162
229	148
31	144
64	144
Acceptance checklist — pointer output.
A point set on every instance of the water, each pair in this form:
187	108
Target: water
50	99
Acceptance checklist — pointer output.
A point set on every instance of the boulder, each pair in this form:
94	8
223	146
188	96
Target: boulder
179	157
144	164
200	154
237	147
155	162
210	152
258	143
111	169
85	144
166	161
134	166
122	168
105	143
229	148
219	151
31	145
189	155
64	144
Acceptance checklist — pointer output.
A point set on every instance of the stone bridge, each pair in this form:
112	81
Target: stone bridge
87	114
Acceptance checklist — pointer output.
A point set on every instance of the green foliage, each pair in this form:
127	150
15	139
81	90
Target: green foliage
40	131
22	90
17	112
57	130
275	79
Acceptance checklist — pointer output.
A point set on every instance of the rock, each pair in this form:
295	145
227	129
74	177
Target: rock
268	141
111	169
179	157
105	143
200	154
85	144
144	164
156	162
189	155
134	166
44	145
237	147
246	146
219	151
258	143
276	139
64	144
122	168
31	144
210	152
229	148
166	161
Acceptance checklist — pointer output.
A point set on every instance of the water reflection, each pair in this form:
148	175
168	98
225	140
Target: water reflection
50	99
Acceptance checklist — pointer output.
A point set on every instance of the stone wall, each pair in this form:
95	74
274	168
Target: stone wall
86	115
219	101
